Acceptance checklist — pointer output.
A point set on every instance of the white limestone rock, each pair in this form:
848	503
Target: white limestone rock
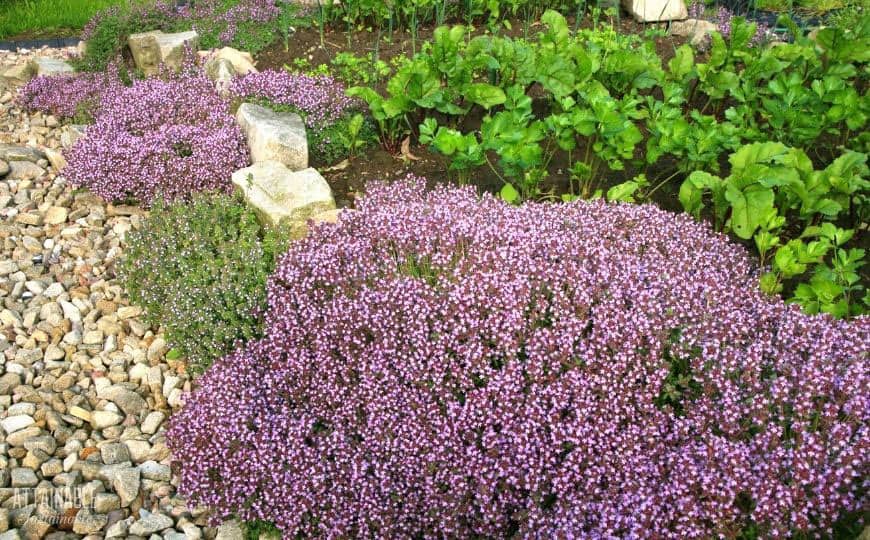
656	10
281	197
150	49
274	136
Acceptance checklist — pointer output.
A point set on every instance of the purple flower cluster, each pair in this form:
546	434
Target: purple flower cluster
165	137
320	99
696	10
763	32
247	12
218	21
69	95
437	365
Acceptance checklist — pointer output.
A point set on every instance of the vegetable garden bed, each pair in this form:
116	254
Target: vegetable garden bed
586	278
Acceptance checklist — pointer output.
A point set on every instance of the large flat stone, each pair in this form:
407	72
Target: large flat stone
12	152
18	74
656	10
281	197
150	49
274	136
52	66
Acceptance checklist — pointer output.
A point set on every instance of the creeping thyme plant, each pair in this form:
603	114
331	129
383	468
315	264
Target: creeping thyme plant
245	24
167	136
440	365
199	270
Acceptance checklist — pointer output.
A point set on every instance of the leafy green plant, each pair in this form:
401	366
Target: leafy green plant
769	177
515	135
834	287
354	136
199	271
465	149
772	192
388	113
359	70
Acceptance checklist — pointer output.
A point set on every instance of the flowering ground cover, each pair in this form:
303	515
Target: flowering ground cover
159	137
75	96
320	100
441	365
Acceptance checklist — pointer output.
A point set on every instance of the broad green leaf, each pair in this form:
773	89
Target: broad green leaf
748	207
509	194
623	192
751	154
485	95
683	62
692	191
555	75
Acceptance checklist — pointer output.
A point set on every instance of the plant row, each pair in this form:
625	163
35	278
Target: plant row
786	123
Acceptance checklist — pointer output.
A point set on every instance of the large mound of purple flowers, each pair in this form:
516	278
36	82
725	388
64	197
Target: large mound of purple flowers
165	137
436	365
320	99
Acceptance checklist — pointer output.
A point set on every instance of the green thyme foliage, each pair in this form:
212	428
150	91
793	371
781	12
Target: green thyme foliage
262	530
105	41
199	270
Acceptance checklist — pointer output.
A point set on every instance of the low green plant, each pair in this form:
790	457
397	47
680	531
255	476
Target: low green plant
771	177
853	14
262	530
199	270
359	70
344	139
105	42
354	137
772	193
465	149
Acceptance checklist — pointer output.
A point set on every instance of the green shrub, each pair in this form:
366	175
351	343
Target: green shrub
105	38
199	270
